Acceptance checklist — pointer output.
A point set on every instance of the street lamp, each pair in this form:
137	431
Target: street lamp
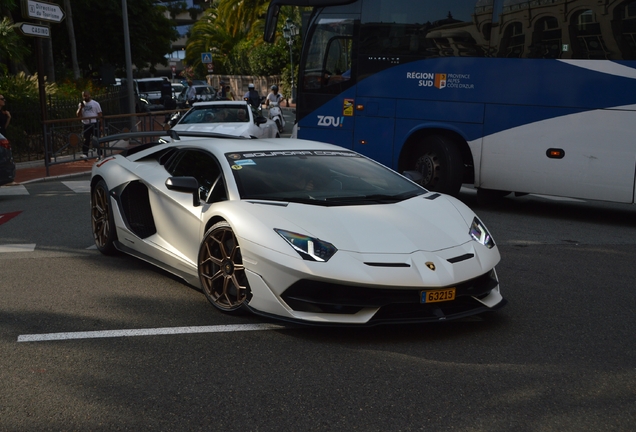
290	31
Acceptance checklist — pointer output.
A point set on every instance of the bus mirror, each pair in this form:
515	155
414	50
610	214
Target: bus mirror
272	19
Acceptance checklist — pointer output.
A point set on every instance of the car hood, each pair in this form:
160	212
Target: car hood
236	129
417	224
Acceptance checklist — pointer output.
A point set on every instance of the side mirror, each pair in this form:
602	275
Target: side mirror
260	120
185	184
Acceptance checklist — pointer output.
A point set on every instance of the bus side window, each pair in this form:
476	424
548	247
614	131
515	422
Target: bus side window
337	61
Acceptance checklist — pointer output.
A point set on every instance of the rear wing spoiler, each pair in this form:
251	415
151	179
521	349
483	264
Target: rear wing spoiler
274	9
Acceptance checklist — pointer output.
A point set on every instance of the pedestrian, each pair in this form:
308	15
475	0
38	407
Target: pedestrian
5	116
252	96
191	93
90	112
222	95
228	93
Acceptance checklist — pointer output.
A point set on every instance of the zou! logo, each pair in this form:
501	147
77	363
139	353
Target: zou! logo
330	121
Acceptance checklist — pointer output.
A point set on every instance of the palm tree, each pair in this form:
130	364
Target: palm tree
246	16
208	35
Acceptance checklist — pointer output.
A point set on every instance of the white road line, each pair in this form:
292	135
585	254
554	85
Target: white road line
13	190
146	332
17	248
79	186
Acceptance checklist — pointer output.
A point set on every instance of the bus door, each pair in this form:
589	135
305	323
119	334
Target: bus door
327	79
374	128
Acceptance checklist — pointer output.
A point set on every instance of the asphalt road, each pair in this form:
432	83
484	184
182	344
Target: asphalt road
560	357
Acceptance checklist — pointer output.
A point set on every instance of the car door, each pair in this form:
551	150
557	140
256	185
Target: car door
178	219
264	130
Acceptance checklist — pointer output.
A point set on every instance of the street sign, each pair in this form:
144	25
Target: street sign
210	67
29	29
206	57
43	11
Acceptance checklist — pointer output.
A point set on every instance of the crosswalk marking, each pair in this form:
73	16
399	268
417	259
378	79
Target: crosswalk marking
13	190
80	186
17	248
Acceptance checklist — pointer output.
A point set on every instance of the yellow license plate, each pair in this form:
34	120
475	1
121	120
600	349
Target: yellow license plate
441	295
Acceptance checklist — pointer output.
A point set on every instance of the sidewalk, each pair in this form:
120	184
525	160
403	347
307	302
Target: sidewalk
28	172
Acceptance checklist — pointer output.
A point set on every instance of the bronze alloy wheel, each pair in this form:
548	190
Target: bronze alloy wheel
221	269
102	219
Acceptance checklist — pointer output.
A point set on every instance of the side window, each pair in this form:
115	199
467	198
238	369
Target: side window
204	168
328	65
586	36
407	30
513	41
625	29
586	29
546	39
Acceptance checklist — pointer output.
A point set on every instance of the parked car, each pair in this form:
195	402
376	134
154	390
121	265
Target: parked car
235	118
203	93
298	230
177	88
148	92
7	165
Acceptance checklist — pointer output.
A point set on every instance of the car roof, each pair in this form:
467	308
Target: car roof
220	102
151	79
220	146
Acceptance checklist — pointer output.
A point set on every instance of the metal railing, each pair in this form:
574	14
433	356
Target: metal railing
64	138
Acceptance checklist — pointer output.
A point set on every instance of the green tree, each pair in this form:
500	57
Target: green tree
13	47
99	35
233	31
209	35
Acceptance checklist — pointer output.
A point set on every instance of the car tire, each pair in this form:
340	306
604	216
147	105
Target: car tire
102	221
221	270
440	163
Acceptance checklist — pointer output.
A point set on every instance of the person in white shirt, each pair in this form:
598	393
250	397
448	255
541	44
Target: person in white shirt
274	96
91	113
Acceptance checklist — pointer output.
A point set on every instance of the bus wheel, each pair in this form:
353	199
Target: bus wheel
440	163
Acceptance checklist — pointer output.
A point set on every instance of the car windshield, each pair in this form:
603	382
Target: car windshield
318	177
216	114
149	86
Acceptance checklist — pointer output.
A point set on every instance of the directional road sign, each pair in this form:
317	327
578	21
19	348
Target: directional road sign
43	11
29	29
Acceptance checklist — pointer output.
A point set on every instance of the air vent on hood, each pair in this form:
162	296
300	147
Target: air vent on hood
375	264
460	258
432	197
273	203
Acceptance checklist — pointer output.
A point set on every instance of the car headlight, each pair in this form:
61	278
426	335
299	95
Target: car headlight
309	248
480	234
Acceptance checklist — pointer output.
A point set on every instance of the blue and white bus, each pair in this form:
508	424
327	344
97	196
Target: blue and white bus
525	96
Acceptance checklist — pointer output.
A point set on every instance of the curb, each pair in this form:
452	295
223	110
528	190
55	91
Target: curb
50	178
